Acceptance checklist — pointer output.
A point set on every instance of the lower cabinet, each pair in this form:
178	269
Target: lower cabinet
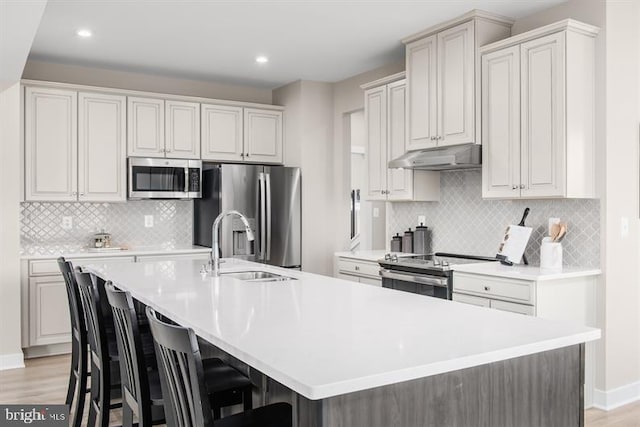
359	271
45	314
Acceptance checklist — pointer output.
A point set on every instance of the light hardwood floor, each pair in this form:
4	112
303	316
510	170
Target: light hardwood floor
44	380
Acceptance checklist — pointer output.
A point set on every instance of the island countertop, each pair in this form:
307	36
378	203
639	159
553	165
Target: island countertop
324	337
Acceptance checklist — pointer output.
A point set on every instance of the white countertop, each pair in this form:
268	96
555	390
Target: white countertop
134	251
373	255
524	272
323	337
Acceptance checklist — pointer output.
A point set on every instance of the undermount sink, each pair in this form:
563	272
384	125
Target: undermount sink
256	276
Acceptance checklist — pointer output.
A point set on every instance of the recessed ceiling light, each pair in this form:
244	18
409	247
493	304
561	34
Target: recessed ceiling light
84	33
262	59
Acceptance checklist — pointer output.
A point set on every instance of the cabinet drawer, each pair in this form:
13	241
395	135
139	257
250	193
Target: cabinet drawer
372	282
469	299
513	307
49	267
348	277
494	287
359	268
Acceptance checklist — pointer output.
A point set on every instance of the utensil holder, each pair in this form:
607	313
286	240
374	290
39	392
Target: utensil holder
550	254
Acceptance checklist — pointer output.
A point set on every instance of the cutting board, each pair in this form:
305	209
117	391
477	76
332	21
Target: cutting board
514	242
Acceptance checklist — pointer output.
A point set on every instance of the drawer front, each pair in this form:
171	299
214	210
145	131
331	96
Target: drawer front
469	299
494	287
372	282
359	268
173	257
49	267
349	277
512	307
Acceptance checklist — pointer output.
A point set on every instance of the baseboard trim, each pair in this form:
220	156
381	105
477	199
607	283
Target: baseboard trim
612	399
11	361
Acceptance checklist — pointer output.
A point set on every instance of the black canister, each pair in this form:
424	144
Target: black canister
396	243
422	240
407	241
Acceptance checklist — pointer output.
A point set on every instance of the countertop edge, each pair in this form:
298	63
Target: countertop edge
122	253
540	276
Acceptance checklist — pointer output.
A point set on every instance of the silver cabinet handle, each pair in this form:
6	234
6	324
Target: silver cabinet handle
433	138
487	288
268	212
247	155
522	186
357	268
515	187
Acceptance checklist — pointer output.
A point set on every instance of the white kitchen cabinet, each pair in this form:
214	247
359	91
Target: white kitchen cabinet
182	129
360	271
262	135
50	323
443	80
385	130
102	164
222	136
145	127
51	144
538	114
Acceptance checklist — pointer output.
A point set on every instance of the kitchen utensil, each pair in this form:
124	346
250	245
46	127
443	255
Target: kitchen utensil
396	243
514	243
555	231
550	254
551	222
561	232
521	224
422	240
407	241
102	240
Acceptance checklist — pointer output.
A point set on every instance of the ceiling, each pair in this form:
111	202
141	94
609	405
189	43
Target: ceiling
322	40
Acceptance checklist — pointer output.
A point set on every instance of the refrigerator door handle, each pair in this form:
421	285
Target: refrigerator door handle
263	240
268	219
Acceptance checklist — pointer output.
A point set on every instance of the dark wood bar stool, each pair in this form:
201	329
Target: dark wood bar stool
185	388
78	375
105	376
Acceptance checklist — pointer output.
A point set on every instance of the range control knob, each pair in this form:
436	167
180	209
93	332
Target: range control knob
394	258
387	257
436	261
445	263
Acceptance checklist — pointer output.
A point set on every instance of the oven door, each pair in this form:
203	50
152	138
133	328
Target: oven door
422	284
158	178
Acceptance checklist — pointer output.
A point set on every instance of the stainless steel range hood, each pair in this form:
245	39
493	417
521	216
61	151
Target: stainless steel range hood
466	156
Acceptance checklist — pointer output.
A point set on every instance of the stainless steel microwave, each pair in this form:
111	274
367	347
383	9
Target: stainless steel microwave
165	178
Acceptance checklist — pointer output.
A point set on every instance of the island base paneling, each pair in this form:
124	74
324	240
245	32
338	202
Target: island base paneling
543	389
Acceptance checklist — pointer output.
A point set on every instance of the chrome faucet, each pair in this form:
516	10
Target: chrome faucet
215	246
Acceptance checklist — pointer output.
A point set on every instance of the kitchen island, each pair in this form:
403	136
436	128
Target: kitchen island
347	354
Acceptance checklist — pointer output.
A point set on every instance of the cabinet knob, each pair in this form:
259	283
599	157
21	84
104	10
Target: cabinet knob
515	187
487	288
82	194
522	186
357	268
432	138
247	155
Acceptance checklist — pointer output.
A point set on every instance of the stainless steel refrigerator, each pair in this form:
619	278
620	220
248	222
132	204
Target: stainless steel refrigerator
269	196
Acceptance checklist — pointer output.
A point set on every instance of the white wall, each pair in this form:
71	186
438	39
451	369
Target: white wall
308	131
10	344
66	73
617	119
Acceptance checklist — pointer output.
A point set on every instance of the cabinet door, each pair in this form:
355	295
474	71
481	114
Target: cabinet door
501	124
102	156
222	133
49	321
182	129
375	113
456	87
421	95
543	116
145	127
51	144
262	135
399	181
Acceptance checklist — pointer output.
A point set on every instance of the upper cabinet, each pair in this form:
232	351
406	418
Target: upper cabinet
74	146
385	128
145	124
237	134
182	130
538	113
443	80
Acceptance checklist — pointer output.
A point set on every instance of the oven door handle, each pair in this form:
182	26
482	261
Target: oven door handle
388	274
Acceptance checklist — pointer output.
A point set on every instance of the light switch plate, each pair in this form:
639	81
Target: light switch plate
67	222
148	221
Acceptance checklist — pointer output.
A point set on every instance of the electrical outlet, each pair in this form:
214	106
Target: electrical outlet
422	219
67	222
148	221
624	226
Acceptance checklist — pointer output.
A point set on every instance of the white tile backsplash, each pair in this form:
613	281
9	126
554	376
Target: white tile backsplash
41	228
463	222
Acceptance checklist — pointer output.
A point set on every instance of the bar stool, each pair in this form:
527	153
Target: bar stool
77	389
104	360
184	384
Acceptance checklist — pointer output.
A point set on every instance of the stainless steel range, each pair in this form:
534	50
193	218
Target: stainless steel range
429	275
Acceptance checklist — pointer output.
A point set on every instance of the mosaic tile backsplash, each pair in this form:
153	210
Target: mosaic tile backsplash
463	222
41	229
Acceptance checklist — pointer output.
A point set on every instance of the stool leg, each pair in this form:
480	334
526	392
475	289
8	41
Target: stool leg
95	395
127	415
73	372
247	398
76	417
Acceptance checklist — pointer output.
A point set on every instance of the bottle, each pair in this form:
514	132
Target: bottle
407	241
422	240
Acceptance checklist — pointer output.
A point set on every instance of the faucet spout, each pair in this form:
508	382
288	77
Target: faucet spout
215	242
